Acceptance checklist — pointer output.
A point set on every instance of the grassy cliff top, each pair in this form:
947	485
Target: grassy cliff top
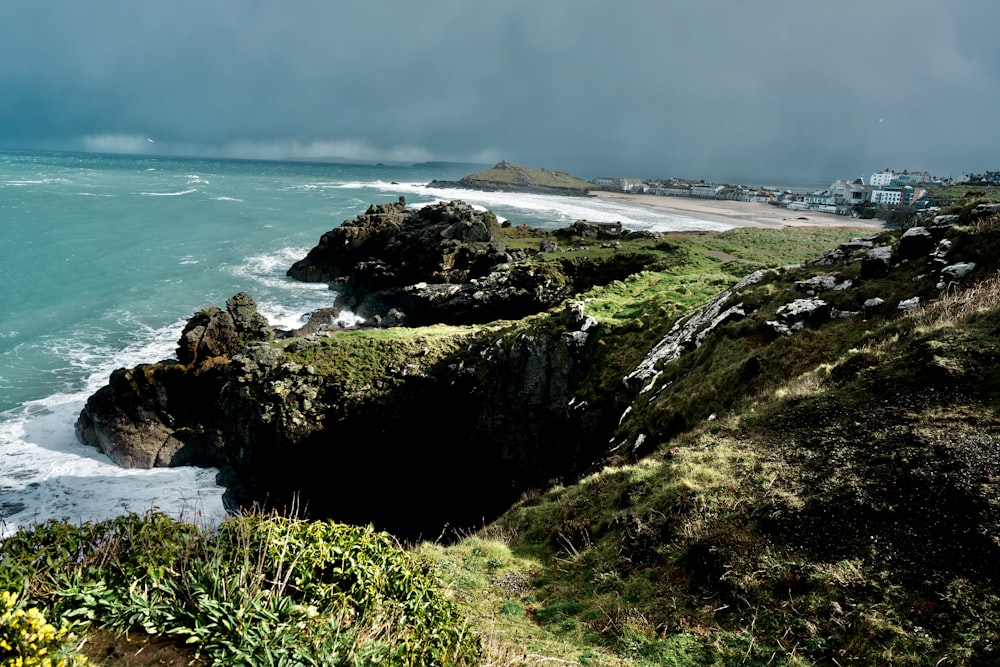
823	497
506	173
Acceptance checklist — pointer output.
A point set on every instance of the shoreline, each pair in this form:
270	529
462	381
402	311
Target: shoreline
736	213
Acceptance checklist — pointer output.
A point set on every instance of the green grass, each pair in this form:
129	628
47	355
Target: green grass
362	358
819	517
836	510
952	195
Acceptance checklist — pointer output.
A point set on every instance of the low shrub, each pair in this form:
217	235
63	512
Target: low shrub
256	590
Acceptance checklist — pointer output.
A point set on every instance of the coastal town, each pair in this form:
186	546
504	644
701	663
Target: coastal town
881	195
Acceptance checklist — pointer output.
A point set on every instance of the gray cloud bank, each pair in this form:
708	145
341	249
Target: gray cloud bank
715	89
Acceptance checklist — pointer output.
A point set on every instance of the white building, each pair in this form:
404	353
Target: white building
707	191
882	179
848	193
886	197
821	198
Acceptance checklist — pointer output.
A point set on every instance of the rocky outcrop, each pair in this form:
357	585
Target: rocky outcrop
688	334
447	263
222	333
508	177
390	246
482	420
165	414
397	266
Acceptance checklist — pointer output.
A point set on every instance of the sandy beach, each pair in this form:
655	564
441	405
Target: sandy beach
738	213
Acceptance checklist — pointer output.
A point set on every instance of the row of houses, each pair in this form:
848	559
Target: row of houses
884	188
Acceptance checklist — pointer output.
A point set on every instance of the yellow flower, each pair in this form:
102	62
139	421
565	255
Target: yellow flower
28	640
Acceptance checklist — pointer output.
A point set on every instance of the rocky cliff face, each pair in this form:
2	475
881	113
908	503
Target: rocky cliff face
460	423
448	437
456	433
458	429
165	413
445	263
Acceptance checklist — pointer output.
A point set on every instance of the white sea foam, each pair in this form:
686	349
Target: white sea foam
547	210
295	299
44	181
45	473
543	209
169	194
226	199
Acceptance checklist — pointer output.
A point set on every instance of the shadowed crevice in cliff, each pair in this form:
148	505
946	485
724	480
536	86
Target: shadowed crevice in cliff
428	438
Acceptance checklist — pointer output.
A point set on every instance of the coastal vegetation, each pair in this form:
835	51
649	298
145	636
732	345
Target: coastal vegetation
810	478
254	590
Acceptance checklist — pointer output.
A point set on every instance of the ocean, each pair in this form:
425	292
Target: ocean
104	257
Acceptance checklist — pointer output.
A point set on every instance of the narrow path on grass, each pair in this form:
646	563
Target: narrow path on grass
724	256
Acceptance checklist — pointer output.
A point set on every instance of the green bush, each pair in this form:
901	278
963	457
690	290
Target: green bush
255	590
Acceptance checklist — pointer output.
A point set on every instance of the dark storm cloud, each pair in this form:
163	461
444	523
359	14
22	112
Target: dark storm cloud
720	89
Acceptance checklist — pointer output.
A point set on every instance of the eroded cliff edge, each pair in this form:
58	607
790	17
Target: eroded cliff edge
444	425
459	420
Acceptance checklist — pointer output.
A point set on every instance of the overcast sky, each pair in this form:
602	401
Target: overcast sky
725	90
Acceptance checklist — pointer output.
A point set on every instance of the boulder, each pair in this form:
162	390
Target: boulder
945	220
816	284
915	242
845	251
876	262
956	271
801	311
219	333
322	319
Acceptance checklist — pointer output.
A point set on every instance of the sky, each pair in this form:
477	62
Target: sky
722	90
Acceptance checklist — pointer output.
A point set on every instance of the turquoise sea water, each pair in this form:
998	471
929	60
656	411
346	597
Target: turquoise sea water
103	258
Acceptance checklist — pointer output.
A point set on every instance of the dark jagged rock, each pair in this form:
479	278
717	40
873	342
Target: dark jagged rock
400	267
164	414
914	242
444	263
322	319
220	333
391	246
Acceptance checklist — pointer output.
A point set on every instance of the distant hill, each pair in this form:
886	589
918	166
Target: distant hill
507	176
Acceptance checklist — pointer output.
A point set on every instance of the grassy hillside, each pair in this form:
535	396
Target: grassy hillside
828	497
823	496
